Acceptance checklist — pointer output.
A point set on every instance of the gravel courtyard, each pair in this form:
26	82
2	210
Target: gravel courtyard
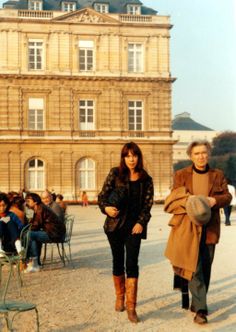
81	298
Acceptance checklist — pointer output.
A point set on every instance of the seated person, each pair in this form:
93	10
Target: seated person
46	227
17	206
10	228
47	199
59	201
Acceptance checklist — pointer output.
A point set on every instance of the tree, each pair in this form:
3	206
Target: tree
224	143
224	154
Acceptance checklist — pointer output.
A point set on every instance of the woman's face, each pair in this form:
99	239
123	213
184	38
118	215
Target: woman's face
131	160
3	207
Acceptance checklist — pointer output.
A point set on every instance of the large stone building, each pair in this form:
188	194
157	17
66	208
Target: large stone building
78	79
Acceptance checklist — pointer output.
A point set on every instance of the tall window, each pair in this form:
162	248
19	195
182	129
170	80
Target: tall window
86	174
133	10
135	115
101	7
35	174
86	56
86	114
35	5
68	6
35	55
135	58
36	114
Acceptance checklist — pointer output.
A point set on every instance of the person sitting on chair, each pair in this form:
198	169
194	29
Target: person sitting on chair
47	199
46	227
10	227
60	201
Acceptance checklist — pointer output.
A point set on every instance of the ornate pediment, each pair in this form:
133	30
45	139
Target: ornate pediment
86	15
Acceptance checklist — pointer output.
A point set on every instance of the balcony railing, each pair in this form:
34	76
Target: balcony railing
136	134
38	133
135	18
35	13
87	133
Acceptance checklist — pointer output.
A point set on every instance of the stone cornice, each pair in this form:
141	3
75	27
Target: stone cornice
51	22
87	78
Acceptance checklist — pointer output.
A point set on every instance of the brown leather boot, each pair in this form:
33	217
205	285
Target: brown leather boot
131	287
119	283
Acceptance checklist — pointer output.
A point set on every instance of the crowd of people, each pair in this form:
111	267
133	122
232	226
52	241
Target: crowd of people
45	215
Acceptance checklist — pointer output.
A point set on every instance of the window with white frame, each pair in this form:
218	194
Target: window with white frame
35	55
36	114
135	58
86	169
35	174
135	115
86	115
35	5
68	6
133	9
86	55
101	7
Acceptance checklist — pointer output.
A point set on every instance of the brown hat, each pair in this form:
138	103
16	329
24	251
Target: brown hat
198	210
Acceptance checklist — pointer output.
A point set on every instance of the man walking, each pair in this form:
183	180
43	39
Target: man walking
210	187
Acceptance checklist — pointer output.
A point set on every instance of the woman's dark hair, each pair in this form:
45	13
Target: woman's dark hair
35	197
135	150
18	202
5	199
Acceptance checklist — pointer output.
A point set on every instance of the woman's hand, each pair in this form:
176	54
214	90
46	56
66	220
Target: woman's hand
111	211
137	229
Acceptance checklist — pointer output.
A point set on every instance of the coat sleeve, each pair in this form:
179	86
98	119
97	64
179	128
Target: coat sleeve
145	215
221	192
108	186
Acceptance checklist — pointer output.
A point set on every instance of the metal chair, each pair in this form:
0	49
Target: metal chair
69	221
11	306
15	259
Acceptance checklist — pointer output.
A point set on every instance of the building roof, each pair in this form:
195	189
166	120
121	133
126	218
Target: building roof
115	6
183	121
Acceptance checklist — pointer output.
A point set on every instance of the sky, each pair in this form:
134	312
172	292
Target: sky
203	53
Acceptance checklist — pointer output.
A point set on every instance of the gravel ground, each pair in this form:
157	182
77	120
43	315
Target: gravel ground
81	298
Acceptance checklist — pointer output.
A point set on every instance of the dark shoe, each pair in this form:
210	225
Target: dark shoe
192	308
227	224
200	318
185	301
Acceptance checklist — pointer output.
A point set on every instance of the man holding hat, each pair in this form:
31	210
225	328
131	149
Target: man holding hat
203	192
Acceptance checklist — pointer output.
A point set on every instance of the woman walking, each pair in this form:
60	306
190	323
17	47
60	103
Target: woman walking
126	198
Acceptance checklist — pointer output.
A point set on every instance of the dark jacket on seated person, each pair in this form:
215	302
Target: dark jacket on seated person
45	219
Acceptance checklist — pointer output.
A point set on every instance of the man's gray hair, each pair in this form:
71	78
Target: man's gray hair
197	143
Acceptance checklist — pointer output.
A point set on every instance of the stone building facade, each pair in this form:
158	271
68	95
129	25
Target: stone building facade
75	86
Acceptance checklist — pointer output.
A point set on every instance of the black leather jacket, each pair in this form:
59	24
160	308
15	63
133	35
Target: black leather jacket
146	196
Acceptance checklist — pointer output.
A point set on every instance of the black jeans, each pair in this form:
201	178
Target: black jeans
125	250
10	233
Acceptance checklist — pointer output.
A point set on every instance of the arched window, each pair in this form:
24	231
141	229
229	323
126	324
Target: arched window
86	168
35	174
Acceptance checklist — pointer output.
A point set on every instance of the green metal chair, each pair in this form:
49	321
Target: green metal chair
11	306
69	222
